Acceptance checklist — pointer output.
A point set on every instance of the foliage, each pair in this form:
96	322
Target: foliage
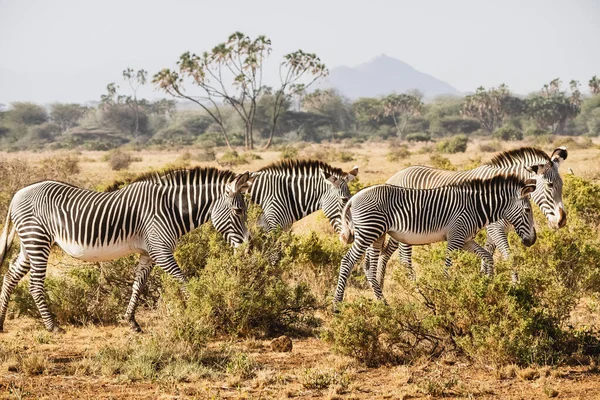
418	137
240	294
241	58
489	320
92	294
490	107
27	113
400	107
397	153
439	161
552	108
119	160
289	152
508	132
456	144
66	115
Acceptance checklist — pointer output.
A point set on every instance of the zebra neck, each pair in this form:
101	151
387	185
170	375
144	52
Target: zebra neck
191	205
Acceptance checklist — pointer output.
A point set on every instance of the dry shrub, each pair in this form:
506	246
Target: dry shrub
572	143
397	153
437	160
88	294
489	320
491	147
456	144
119	160
288	152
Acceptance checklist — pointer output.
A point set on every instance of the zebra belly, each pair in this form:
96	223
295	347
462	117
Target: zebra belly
99	253
414	238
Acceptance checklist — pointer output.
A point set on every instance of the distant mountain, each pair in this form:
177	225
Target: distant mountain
381	76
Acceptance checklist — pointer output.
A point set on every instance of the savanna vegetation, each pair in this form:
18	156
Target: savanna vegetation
218	98
436	334
539	335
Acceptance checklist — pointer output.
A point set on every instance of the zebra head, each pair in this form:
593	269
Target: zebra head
336	196
228	213
519	213
548	192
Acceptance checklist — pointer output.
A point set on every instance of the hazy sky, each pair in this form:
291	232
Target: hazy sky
68	50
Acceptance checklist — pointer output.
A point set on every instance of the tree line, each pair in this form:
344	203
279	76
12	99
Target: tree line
234	107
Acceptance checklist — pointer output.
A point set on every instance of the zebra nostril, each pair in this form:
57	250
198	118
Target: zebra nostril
563	218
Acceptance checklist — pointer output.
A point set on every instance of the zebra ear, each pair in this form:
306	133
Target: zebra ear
352	174
538	169
240	183
530	185
330	179
559	154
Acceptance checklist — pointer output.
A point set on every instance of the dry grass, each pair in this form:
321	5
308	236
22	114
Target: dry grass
36	364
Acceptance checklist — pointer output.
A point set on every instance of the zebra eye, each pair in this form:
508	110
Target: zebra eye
238	210
550	185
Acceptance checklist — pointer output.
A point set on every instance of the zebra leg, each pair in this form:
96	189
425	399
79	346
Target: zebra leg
166	260
141	276
39	262
348	262
373	254
16	271
384	258
486	257
490	244
405	255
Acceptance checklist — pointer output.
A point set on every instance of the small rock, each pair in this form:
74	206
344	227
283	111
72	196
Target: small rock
282	344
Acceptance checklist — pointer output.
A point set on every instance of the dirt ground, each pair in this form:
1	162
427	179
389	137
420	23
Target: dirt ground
280	375
283	375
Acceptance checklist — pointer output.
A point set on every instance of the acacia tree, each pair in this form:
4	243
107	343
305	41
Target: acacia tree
401	107
367	110
491	107
66	115
552	108
232	74
594	85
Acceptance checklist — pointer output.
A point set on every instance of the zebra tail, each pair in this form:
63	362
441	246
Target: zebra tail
347	231
7	236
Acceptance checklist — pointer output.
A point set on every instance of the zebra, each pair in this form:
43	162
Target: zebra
526	162
454	213
147	217
289	190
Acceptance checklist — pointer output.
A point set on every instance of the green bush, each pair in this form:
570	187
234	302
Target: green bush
439	161
289	152
241	294
489	320
508	133
88	294
397	153
537	132
418	137
232	158
456	144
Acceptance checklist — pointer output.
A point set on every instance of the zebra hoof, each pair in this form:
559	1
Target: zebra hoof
135	327
57	329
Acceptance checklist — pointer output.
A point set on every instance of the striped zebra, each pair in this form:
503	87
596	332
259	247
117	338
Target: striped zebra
147	217
288	191
454	213
525	162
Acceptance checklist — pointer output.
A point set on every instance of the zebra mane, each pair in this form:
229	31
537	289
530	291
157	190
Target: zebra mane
501	178
300	167
523	156
176	177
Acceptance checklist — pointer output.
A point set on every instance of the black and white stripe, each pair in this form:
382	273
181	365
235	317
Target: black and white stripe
454	213
288	191
525	162
145	217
